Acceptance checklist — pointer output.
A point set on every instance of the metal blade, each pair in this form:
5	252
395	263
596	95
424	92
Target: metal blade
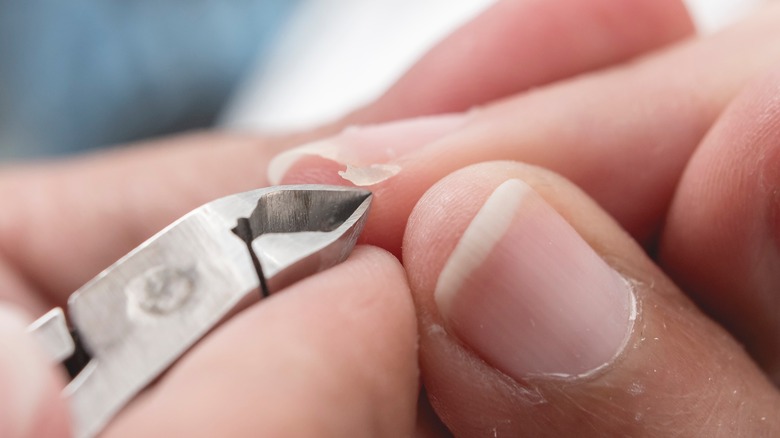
141	314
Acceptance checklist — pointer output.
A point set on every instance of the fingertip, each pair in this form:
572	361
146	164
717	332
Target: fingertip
722	233
30	401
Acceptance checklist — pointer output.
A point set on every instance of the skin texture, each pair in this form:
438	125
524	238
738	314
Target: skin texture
72	218
680	374
102	202
730	261
658	109
629	153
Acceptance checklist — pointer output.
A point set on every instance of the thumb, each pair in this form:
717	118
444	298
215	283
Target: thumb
30	404
539	316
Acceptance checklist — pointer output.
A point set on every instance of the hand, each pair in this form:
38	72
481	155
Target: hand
342	341
495	333
108	204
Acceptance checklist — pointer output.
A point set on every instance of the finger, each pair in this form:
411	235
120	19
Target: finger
539	316
72	219
720	241
334	355
623	134
30	403
518	44
16	291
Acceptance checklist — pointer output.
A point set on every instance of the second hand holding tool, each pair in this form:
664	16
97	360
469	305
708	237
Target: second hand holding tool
136	318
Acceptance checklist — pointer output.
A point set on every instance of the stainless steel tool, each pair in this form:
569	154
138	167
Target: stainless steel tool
136	318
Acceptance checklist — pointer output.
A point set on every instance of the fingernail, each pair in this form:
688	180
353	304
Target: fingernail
22	375
365	150
529	295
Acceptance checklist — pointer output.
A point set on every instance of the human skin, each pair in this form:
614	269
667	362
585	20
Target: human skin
687	165
88	204
625	136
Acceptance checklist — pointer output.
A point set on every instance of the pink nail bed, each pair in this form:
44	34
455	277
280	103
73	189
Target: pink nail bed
529	295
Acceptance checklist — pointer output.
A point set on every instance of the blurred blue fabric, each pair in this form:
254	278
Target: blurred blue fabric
80	74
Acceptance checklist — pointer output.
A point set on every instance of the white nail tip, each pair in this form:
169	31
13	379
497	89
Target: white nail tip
486	229
369	175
